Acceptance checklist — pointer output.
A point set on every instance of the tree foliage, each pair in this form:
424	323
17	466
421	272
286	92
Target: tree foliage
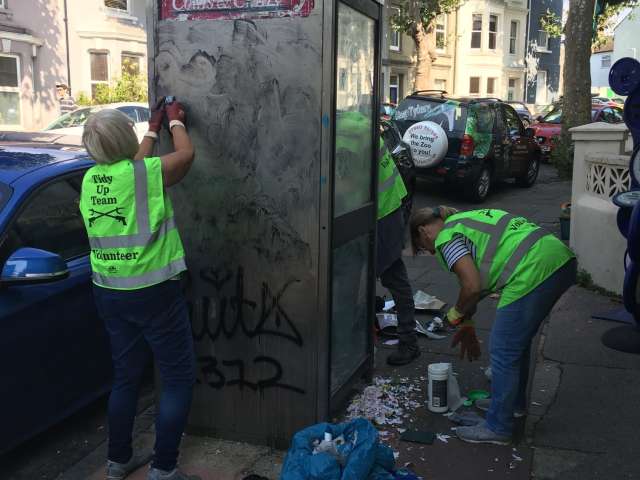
415	14
603	23
130	87
417	18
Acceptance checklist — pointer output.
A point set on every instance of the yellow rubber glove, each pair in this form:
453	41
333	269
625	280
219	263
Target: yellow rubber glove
454	316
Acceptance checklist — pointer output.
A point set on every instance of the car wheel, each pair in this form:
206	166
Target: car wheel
533	169
480	186
526	122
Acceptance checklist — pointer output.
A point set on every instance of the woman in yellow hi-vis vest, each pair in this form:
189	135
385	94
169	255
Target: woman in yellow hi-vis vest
493	251
136	258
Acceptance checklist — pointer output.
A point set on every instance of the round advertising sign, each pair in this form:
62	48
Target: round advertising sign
428	142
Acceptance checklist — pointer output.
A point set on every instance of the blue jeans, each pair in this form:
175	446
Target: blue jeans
152	321
515	327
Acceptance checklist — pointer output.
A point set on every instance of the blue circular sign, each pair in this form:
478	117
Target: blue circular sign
624	76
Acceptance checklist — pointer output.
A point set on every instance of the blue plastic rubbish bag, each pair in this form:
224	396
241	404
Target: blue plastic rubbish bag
360	457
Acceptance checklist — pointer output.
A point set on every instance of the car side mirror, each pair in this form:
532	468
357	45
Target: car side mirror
539	118
31	265
529	132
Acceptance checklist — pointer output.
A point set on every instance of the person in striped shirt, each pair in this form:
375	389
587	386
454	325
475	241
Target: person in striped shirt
491	250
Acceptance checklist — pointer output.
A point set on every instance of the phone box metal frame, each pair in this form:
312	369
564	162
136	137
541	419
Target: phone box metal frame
281	275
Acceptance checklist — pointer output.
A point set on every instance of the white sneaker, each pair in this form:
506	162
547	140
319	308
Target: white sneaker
484	404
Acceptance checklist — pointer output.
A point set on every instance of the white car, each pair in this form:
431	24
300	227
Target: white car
72	123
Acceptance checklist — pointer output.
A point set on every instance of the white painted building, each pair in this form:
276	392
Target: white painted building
627	36
489	61
81	43
601	61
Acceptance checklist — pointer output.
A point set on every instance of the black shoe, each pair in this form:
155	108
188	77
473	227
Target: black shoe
403	355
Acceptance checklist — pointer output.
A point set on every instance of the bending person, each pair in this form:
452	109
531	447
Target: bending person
136	258
494	251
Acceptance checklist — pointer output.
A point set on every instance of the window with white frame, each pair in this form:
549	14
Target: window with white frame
491	85
493	32
441	33
130	64
9	90
474	85
440	84
342	79
476	31
513	37
394	43
543	41
605	61
99	70
394	88
511	92
120	6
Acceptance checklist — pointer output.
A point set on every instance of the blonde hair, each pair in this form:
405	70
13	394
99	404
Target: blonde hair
109	137
426	216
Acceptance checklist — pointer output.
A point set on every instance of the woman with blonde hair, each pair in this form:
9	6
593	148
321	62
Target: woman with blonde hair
493	251
136	258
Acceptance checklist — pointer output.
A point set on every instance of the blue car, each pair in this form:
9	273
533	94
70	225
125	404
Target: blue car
54	350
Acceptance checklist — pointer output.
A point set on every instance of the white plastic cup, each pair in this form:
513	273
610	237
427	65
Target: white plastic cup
438	377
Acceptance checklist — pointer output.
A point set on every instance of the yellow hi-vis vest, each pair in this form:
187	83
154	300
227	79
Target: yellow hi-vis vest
391	188
129	220
513	255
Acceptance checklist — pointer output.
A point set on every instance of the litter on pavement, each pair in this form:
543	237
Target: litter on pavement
474	395
337	451
424	301
388	324
386	403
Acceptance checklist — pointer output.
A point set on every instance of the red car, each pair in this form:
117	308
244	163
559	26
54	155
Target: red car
548	128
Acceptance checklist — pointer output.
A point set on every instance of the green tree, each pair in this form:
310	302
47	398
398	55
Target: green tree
583	31
417	19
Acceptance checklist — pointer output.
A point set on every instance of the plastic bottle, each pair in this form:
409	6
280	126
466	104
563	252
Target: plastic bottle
438	376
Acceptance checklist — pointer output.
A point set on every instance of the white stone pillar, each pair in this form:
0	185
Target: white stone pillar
600	170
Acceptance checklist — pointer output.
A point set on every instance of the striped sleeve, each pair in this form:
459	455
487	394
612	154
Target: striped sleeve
455	249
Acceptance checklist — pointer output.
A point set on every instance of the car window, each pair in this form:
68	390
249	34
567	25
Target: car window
77	118
512	120
554	116
51	221
130	112
617	115
143	114
5	193
450	115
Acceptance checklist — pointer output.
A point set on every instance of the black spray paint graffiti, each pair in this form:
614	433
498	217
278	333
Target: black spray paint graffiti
229	320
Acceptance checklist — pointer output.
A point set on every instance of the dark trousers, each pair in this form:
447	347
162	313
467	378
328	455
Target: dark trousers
396	280
152	321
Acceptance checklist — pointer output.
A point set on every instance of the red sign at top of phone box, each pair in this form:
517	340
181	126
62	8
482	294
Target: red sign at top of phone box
233	9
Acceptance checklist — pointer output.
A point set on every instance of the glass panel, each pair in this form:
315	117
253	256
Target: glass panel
116	4
354	110
349	324
8	72
474	85
130	64
9	108
51	221
99	68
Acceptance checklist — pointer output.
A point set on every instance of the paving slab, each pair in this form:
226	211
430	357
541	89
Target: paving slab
211	459
574	337
594	411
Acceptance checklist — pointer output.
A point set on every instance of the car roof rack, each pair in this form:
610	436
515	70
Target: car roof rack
484	99
441	92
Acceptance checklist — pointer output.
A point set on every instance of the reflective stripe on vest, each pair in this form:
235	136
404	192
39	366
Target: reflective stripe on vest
495	233
149	278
